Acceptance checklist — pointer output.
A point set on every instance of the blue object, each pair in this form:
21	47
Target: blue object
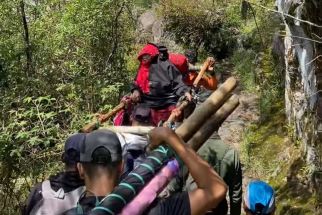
260	197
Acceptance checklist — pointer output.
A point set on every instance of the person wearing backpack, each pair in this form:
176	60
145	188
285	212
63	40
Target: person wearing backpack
60	192
134	145
101	164
158	83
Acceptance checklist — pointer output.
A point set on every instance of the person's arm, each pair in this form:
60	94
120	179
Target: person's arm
211	188
135	90
135	93
179	86
209	82
194	67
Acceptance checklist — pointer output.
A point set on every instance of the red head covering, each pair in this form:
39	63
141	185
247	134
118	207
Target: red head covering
142	78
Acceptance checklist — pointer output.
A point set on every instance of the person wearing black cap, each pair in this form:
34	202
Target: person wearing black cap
101	164
133	145
60	192
141	115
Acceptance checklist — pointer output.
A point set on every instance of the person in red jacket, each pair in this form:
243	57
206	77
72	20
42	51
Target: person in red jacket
158	83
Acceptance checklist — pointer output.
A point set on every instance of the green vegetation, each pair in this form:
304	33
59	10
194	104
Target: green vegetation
268	150
245	68
211	26
270	155
60	62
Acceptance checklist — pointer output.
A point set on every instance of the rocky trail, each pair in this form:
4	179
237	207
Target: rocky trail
231	131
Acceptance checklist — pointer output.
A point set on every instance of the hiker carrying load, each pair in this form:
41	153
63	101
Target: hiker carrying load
158	83
186	65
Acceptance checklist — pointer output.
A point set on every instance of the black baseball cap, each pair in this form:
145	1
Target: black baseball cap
101	147
142	113
72	148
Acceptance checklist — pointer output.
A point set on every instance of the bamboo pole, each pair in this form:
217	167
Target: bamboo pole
191	125
213	123
141	130
102	118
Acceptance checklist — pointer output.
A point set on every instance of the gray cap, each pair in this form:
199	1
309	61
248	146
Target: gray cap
105	139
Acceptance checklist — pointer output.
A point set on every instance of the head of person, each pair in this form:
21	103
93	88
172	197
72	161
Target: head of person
100	162
148	53
259	199
141	115
71	152
191	56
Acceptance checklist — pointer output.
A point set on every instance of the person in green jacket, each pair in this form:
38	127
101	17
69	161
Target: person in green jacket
225	160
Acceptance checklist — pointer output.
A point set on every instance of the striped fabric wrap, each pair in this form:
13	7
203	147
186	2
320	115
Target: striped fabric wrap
150	192
132	184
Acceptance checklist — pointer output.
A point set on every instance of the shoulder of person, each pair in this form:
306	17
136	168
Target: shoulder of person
34	197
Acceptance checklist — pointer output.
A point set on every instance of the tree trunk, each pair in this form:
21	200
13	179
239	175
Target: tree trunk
26	38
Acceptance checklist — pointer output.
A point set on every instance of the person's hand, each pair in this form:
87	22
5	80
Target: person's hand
210	68
176	112
157	136
211	63
188	96
135	96
99	117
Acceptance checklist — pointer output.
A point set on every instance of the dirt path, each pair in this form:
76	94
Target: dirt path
231	131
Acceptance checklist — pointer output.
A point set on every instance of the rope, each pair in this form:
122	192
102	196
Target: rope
304	38
314	60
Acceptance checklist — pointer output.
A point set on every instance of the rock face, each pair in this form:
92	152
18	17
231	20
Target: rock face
303	60
151	26
151	29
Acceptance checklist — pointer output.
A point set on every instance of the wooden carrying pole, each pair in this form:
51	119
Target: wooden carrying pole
208	63
101	119
213	123
201	136
172	117
191	125
140	130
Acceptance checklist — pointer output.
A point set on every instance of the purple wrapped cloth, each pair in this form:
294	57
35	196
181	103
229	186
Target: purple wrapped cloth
142	201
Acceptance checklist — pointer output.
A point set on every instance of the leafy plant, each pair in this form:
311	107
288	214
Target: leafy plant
201	24
60	62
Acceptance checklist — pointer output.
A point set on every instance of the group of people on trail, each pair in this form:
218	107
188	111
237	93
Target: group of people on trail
105	170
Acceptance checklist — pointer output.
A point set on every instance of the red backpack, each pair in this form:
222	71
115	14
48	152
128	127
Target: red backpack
180	61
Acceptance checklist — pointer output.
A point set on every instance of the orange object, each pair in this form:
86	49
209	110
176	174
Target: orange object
209	82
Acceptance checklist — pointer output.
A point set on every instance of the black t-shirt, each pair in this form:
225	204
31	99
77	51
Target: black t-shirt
86	204
178	204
